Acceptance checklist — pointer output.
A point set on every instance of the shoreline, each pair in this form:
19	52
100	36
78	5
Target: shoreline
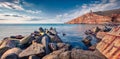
63	47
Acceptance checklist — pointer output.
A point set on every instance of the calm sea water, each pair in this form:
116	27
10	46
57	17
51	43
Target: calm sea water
74	32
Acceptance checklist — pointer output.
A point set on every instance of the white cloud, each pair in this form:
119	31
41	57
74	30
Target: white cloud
12	19
10	6
85	8
33	12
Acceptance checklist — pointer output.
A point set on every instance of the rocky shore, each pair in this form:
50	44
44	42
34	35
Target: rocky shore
46	44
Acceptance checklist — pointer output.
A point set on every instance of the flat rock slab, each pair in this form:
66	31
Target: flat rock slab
34	49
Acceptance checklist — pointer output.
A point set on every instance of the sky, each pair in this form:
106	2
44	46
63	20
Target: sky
50	11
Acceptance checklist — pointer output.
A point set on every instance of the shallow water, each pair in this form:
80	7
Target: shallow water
74	32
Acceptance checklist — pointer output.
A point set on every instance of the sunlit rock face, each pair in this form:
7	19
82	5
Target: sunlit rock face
110	44
104	17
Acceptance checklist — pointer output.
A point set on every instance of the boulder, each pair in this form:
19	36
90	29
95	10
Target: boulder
1	42
53	46
87	41
3	50
65	55
11	52
82	54
11	56
54	54
26	40
34	49
8	43
63	45
33	57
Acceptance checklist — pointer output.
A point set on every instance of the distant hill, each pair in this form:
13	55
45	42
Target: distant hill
100	17
108	12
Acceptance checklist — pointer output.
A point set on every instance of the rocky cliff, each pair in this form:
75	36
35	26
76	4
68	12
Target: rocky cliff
100	17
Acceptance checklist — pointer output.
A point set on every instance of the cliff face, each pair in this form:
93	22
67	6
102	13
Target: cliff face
110	44
97	18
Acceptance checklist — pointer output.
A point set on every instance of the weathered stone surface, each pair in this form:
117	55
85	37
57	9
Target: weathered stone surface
110	44
12	52
81	54
65	55
100	35
11	56
63	45
34	49
54	55
33	57
74	54
3	50
8	43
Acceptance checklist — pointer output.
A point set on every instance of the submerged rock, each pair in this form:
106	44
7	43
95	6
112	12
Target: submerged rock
34	49
87	41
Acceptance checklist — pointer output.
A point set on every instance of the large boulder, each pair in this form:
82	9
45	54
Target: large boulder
54	54
3	50
65	55
11	52
34	49
8	43
82	54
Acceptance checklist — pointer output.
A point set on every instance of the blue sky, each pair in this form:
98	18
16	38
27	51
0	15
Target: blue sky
50	11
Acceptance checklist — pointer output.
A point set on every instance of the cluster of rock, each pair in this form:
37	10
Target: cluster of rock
106	48
110	44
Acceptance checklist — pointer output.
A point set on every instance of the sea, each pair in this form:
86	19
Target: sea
74	32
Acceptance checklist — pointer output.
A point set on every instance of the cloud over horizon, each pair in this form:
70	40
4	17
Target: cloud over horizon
23	11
